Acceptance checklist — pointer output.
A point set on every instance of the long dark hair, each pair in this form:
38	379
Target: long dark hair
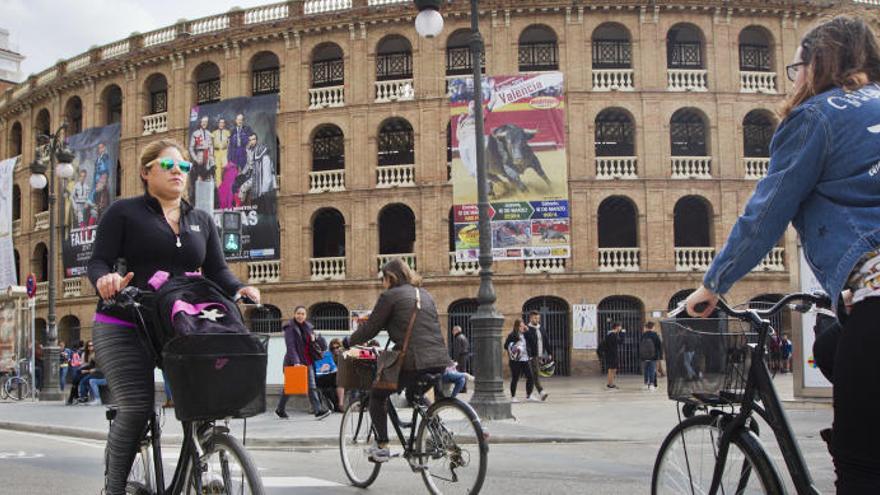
398	273
839	52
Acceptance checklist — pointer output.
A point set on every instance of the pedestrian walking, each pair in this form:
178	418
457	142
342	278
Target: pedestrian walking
650	351
787	351
609	351
461	351
539	350
299	337
518	352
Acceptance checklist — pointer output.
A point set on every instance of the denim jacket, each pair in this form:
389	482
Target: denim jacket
824	177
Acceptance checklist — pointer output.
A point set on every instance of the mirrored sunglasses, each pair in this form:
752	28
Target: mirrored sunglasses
168	164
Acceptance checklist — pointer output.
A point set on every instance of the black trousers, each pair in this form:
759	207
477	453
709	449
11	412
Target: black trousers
856	385
379	400
521	368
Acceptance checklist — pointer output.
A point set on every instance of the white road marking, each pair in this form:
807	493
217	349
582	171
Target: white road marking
74	441
19	455
296	482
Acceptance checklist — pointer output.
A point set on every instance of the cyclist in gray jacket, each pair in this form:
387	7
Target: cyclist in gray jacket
824	177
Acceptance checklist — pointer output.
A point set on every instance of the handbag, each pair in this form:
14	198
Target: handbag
390	362
296	380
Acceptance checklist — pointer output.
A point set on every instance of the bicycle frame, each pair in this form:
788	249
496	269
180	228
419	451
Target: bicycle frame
408	445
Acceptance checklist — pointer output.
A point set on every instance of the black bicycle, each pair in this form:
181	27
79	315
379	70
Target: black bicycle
445	442
717	367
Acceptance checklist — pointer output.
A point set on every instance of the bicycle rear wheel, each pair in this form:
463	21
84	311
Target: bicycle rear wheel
17	388
356	436
228	469
686	462
452	448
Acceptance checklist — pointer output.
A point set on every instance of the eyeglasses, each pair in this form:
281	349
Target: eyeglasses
791	71
168	164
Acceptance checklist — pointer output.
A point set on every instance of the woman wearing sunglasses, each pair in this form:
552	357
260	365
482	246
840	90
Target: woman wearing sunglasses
156	231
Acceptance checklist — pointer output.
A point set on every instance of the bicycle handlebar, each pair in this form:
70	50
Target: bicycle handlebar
757	316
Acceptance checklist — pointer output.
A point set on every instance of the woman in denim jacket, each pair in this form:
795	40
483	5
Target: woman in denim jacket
824	177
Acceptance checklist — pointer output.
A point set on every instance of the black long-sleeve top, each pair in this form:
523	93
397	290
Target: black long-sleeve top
135	229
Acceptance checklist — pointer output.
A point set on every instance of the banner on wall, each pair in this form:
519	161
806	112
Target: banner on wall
234	151
8	275
812	376
525	164
88	193
358	318
584	329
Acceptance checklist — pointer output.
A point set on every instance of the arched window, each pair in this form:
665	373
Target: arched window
15	139
615	133
328	66
459	314
684	47
755	53
618	223
69	329
156	88
459	61
630	313
556	319
692	222
758	128
687	133
328	149
73	112
40	262
265	74
611	47
43	124
113	104
397	230
330	316
207	78
16	202
40	199
396	143
265	319
394	59
328	234
17	257
538	49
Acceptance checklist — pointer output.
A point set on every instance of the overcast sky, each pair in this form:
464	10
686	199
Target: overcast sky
45	31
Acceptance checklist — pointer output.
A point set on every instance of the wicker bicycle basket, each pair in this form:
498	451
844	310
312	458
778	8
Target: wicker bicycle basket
356	374
707	360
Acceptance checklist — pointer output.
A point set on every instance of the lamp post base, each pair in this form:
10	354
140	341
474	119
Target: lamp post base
489	400
51	387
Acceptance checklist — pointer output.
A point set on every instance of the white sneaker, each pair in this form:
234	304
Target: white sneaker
514	400
652	388
470	377
533	399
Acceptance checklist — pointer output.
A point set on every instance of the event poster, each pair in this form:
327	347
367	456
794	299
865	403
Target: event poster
584	328
88	193
233	148
525	166
812	376
8	275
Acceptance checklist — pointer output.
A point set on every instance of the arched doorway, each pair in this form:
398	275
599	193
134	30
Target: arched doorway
459	313
781	321
330	316
678	298
69	330
629	312
265	319
556	319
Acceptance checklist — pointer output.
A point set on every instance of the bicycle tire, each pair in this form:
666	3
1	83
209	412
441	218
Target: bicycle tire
219	481
355	436
453	454
138	482
686	461
16	388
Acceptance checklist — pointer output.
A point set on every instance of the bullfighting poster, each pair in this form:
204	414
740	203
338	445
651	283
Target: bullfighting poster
8	269
88	193
525	166
234	152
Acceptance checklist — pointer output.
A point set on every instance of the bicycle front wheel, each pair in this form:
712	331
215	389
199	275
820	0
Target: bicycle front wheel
356	436
687	457
452	449
227	468
17	388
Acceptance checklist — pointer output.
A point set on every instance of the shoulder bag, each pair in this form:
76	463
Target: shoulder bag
390	362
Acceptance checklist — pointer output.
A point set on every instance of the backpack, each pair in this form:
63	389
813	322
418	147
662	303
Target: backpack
647	349
75	359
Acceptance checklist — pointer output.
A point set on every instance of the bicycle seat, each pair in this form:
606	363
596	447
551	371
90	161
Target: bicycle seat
426	381
110	413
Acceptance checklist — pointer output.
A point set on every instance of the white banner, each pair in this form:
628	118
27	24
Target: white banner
585	335
7	258
812	376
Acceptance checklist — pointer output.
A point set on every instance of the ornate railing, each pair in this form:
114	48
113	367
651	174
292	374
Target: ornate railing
327	181
79	62
209	24
691	167
328	97
159	37
613	80
397	90
158	122
408	258
756	168
462	267
757	82
42	291
687	80
266	13
693	259
619	259
616	167
395	175
264	271
321	6
47	76
328	268
376	3
72	287
773	262
41	220
116	49
16	227
544	265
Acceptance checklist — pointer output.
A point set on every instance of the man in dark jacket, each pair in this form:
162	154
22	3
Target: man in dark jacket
460	351
609	352
650	351
538	345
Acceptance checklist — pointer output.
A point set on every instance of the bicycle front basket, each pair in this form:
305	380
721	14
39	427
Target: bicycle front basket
214	376
356	374
707	360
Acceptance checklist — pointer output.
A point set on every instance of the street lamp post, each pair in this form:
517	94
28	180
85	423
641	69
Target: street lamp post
51	149
488	400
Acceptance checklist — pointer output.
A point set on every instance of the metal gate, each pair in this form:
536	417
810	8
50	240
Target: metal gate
766	301
330	316
265	319
630	313
556	319
678	298
460	313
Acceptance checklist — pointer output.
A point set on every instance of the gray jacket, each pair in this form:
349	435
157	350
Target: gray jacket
392	312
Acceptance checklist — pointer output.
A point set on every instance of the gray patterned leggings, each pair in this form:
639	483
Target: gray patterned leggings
129	372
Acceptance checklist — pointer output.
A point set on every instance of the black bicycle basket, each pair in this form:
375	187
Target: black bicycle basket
707	359
214	376
356	374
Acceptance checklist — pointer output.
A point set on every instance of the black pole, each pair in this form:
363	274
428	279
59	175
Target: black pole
488	400
51	353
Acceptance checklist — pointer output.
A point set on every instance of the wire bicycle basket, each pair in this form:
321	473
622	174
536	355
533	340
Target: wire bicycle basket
707	359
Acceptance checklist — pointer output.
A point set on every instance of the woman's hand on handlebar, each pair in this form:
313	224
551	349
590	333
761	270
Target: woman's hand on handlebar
109	285
701	303
251	293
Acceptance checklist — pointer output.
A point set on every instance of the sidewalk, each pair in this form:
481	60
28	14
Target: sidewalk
578	410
